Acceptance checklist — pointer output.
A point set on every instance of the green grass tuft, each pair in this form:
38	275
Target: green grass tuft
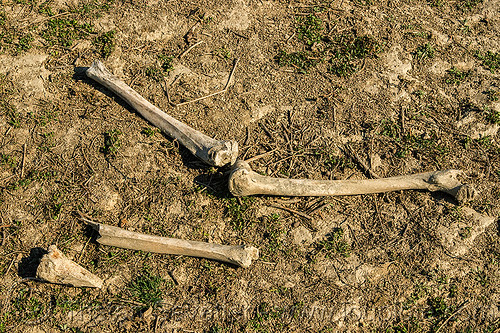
455	76
492	95
334	244
348	50
490	60
14	118
147	288
493	117
274	232
309	29
427	147
224	53
166	63
239	214
63	32
105	43
438	308
425	51
111	142
468	4
302	61
342	52
389	128
8	160
156	72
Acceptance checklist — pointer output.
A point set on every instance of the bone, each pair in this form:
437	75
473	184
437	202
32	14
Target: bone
241	255
55	267
244	181
209	150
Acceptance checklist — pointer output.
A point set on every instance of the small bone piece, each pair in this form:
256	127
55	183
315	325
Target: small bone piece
55	267
211	151
241	255
244	181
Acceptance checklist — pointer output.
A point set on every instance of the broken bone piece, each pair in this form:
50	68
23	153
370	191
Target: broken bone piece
244	181
209	150
241	255
55	267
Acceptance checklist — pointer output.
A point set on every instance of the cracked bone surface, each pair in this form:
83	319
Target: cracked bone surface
55	267
244	181
209	150
241	255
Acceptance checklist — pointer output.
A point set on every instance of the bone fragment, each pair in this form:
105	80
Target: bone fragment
241	255
209	150
55	267
244	181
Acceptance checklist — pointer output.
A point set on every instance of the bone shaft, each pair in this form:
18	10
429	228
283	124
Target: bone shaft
306	187
118	237
193	140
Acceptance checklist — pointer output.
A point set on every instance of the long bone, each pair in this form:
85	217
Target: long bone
211	151
241	255
244	181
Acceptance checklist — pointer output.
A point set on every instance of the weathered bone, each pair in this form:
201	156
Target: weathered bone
55	267
211	151
241	255
243	181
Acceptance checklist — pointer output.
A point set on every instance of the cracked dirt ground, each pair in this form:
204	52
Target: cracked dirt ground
409	86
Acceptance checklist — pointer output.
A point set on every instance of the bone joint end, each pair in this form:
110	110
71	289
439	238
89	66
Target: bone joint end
243	256
225	152
447	181
240	180
97	70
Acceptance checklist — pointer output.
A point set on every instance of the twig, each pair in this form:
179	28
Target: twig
24	160
239	35
201	98
47	18
231	74
85	218
320	207
247	138
80	255
190	48
166	93
10	266
452	315
251	159
117	300
156	324
289	38
403	130
85	158
293	211
190	32
266	130
361	162
287	201
215	93
3	232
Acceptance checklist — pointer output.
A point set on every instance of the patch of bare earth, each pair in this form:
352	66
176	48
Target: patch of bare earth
409	261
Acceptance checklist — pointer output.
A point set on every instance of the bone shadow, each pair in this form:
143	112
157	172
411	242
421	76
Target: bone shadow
188	159
28	265
441	196
215	184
